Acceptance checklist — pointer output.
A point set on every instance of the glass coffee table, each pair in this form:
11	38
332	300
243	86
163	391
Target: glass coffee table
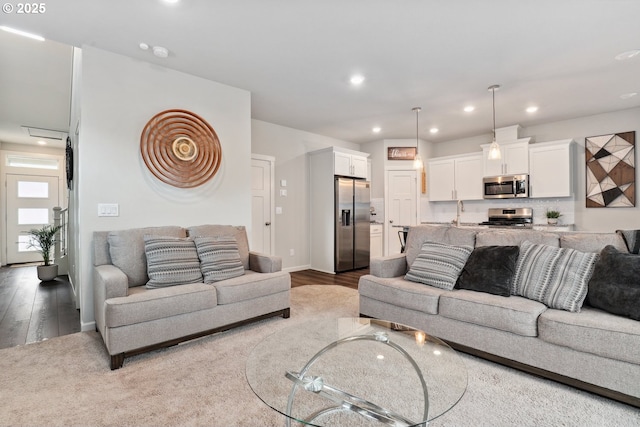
356	372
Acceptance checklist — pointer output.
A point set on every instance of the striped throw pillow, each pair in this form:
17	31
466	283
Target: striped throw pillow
219	258
556	277
171	261
439	265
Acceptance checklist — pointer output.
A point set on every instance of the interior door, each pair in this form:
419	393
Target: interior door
30	202
401	206
261	200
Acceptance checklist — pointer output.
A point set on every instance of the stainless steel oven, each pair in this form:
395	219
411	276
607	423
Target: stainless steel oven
505	186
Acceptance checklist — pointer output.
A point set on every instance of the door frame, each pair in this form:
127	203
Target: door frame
63	196
272	178
385	229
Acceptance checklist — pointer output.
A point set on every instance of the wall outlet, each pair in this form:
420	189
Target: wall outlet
292	252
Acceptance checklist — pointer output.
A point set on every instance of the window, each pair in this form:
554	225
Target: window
33	190
28	216
17	161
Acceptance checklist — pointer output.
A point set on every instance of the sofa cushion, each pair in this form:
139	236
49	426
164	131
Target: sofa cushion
515	238
514	314
592	242
615	284
400	292
557	277
219	258
592	331
631	239
434	233
490	269
126	249
439	264
171	261
144	305
238	232
252	285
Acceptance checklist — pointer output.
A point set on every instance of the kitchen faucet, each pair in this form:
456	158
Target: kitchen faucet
459	208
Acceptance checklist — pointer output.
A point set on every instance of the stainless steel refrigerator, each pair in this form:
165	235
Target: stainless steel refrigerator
352	207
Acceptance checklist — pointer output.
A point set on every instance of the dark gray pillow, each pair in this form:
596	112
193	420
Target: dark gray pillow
490	269
615	284
632	239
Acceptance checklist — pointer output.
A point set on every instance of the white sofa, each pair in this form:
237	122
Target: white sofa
133	318
591	349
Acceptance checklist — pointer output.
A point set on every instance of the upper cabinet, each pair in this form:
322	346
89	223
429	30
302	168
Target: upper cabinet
551	169
514	158
455	178
349	163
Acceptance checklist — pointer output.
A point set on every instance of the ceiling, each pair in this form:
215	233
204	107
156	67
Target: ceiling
296	58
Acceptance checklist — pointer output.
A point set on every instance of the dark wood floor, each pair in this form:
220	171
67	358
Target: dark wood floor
32	311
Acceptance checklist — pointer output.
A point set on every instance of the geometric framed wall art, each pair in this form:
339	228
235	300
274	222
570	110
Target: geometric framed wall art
611	172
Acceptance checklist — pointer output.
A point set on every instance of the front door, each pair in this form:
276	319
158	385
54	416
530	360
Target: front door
261	196
401	206
30	203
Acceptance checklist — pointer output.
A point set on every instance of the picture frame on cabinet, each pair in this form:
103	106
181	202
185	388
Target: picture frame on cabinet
401	153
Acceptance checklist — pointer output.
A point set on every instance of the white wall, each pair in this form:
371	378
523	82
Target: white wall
290	147
586	219
119	96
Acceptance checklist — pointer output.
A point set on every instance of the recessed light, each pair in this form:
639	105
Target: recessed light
22	33
41	142
144	46
628	95
376	129
357	79
627	55
171	1
160	52
469	108
531	109
434	130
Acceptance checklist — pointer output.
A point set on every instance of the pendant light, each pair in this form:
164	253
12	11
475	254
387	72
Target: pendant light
494	148
417	161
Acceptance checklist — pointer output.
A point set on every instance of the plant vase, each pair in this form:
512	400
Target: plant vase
47	272
552	221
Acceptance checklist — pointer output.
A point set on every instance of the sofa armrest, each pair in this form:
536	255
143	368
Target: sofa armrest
261	263
108	282
389	266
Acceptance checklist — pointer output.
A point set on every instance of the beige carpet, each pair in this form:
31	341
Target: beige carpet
66	381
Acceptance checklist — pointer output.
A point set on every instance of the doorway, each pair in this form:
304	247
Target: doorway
30	202
262	187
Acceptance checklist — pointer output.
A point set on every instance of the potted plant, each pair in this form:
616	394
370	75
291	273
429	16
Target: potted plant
552	216
43	240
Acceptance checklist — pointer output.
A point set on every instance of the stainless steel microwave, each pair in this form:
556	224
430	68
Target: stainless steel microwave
505	186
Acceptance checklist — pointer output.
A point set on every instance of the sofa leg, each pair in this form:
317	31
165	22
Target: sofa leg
117	360
286	313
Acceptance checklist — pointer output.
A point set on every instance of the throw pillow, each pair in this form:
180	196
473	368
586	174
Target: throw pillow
219	258
556	277
615	284
438	265
490	269
171	261
632	239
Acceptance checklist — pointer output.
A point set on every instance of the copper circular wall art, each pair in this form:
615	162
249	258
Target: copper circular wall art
180	148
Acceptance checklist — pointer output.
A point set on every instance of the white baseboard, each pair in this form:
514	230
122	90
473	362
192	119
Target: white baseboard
296	268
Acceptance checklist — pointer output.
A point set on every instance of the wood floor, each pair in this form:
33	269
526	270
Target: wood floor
32	311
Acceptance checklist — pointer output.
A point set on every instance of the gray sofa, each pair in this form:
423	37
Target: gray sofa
134	317
591	349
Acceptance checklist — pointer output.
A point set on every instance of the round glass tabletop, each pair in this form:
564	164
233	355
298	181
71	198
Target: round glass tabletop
356	372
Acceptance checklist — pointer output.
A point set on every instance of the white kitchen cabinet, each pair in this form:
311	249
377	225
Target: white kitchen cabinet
376	240
551	169
350	163
455	178
514	158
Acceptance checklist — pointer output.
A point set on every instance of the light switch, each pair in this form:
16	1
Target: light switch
283	193
278	210
283	183
108	209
